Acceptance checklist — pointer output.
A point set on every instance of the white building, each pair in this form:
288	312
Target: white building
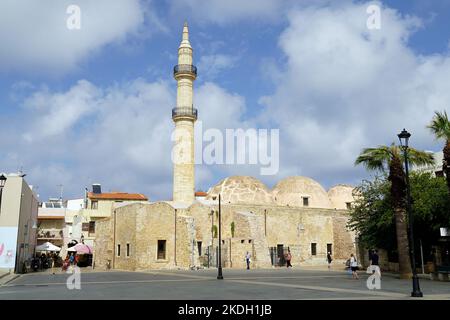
18	219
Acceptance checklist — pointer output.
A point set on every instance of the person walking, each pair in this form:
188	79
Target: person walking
375	258
329	259
248	260
375	262
354	266
288	259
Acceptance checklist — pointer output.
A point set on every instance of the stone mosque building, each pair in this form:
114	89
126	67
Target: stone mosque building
298	214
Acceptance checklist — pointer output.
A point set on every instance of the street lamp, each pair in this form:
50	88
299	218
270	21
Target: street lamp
2	184
404	138
219	275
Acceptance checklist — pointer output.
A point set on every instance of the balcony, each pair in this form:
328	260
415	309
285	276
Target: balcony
184	112
50	234
185	69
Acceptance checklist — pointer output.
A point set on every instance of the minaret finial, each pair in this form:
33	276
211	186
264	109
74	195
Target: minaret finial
185	32
185	38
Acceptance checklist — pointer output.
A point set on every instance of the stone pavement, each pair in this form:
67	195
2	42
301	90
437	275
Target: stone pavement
270	284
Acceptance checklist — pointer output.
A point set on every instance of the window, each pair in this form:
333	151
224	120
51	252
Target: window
199	246
249	241
349	205
85	227
242	241
118	250
91	227
128	249
313	249
161	249
305	201
329	248
94	205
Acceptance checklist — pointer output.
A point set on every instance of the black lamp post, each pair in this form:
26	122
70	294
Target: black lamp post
404	138
2	184
219	269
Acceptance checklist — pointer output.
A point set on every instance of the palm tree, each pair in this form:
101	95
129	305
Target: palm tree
390	159
440	126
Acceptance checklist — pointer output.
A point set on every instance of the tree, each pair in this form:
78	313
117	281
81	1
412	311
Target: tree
373	218
440	126
389	159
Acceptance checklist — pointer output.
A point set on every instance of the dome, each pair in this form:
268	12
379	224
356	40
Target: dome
241	190
340	196
292	191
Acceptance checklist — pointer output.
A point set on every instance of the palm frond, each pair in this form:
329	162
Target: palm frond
440	125
420	158
374	159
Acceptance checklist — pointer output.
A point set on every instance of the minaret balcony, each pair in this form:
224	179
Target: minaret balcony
185	69
184	112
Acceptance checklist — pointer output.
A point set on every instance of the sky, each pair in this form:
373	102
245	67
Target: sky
93	105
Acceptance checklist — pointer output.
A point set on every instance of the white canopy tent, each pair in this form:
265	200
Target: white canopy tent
48	246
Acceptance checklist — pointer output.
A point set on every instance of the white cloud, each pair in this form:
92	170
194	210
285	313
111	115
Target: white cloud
34	34
61	110
212	65
117	135
345	87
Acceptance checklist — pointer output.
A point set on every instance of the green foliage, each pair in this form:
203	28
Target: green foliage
372	215
440	125
430	205
380	158
214	231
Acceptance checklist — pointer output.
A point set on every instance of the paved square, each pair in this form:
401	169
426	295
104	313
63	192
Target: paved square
273	284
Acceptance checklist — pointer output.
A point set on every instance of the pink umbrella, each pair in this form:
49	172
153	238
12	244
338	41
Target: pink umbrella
82	248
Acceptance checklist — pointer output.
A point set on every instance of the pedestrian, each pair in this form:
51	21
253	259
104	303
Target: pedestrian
375	258
66	264
354	266
329	259
248	260
71	259
288	259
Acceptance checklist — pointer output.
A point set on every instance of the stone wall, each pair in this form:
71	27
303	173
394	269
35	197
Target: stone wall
237	250
103	245
260	227
344	244
125	235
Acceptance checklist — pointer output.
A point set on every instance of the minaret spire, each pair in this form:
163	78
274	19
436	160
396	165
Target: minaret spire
184	115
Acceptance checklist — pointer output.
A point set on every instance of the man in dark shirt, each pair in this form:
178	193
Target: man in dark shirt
375	258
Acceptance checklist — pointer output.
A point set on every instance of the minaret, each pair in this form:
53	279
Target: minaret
184	116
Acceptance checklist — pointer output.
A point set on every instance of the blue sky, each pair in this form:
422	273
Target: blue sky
93	105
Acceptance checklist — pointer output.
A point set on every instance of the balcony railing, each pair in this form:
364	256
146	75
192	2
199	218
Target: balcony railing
184	112
185	69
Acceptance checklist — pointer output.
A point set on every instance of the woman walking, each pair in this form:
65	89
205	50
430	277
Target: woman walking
354	266
288	259
329	259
